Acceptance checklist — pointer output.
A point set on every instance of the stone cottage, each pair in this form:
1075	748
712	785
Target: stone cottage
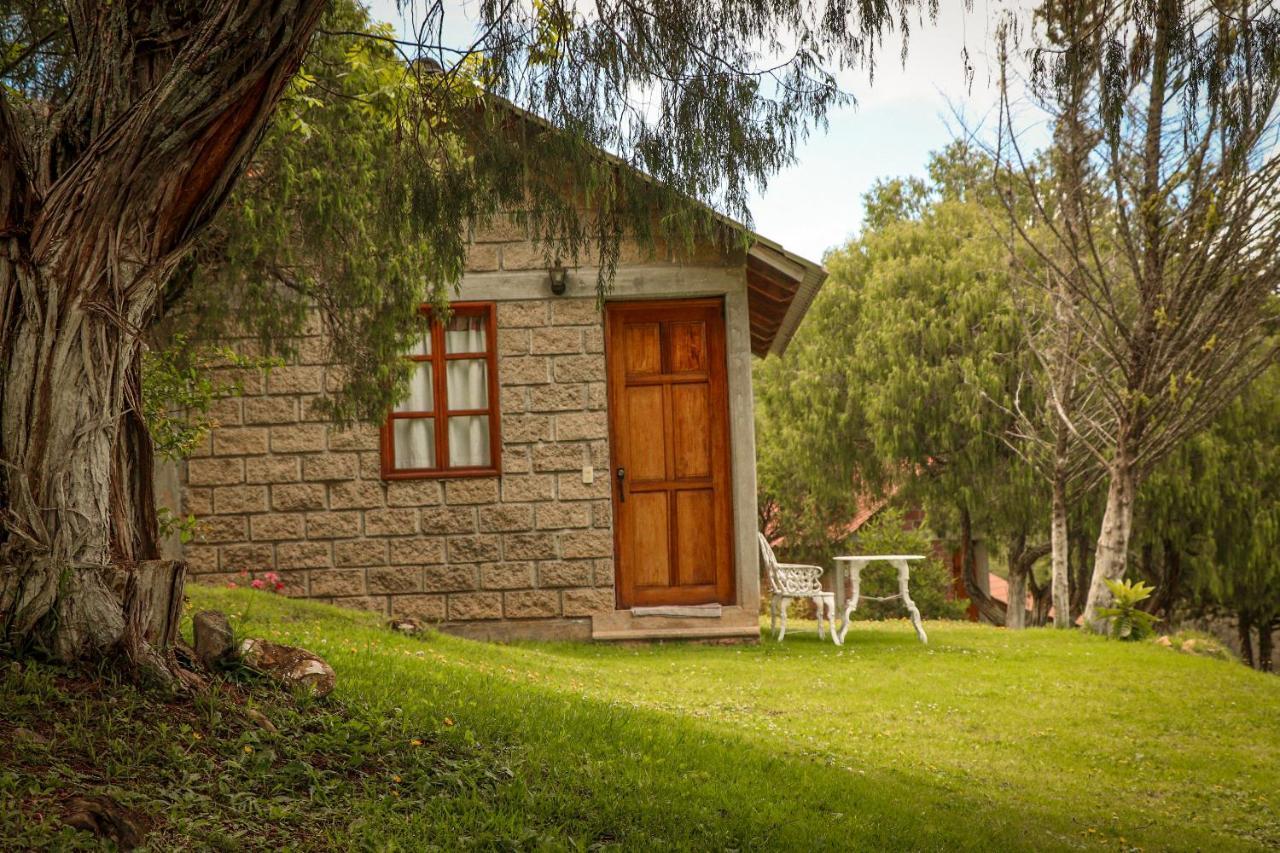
558	470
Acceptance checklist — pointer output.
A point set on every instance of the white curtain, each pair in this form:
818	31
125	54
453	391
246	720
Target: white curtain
415	442
467	387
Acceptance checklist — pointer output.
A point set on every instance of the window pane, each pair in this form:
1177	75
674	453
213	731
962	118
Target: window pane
467	383
465	333
419	398
469	441
415	442
422	342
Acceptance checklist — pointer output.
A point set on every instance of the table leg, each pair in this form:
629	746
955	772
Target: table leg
855	593
904	573
839	591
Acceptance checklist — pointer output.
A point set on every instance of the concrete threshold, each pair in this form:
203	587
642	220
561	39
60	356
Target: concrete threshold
729	623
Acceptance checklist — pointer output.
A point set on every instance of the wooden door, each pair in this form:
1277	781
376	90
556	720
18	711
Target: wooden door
669	426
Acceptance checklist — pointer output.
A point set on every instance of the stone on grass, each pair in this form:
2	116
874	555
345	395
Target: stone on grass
405	626
1164	641
213	638
105	818
289	665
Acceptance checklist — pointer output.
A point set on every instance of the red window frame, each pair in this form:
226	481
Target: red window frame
440	411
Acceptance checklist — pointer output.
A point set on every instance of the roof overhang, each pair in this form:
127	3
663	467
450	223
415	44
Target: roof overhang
781	285
780	288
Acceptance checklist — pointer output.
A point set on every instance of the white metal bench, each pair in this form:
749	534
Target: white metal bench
788	581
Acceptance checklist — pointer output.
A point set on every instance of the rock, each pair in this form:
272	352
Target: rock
105	818
289	665
260	720
405	626
1164	641
212	636
1189	646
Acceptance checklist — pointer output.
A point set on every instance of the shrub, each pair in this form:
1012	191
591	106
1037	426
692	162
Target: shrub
930	579
1127	621
1198	643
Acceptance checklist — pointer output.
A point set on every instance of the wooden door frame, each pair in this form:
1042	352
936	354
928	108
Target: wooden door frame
673	302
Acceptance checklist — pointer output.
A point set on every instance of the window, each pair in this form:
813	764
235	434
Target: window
447	426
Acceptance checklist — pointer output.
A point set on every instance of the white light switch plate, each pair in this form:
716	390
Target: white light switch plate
588	475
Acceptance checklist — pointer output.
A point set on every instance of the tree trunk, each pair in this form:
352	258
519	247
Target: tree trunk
1060	545
988	608
1244	628
1264	645
1015	613
1080	574
1113	540
1171	581
1022	562
79	570
1041	602
59	420
99	199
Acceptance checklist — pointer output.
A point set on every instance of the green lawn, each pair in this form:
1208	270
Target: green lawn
983	738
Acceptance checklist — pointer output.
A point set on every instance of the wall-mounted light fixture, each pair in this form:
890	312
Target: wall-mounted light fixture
559	279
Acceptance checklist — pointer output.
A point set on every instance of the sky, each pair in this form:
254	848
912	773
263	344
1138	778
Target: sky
908	111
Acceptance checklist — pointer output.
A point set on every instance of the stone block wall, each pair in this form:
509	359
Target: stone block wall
276	488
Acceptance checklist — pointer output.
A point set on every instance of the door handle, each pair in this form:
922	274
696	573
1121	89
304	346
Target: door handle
622	486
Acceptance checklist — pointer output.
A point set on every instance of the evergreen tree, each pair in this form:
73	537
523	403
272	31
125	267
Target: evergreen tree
900	381
1210	517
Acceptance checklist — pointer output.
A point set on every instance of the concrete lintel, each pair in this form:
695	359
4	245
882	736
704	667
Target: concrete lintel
628	282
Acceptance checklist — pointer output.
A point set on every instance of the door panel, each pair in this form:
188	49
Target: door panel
643	349
691	430
688	347
649	453
669	428
649	547
695	514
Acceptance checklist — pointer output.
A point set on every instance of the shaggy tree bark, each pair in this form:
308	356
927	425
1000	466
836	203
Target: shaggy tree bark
100	196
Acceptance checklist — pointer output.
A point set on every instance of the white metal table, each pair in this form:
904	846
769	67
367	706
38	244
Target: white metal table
902	562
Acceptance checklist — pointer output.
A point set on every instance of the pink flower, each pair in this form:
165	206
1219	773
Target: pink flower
257	583
271	577
231	584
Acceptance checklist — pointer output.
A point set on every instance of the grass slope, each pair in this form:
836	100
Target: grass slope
984	738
